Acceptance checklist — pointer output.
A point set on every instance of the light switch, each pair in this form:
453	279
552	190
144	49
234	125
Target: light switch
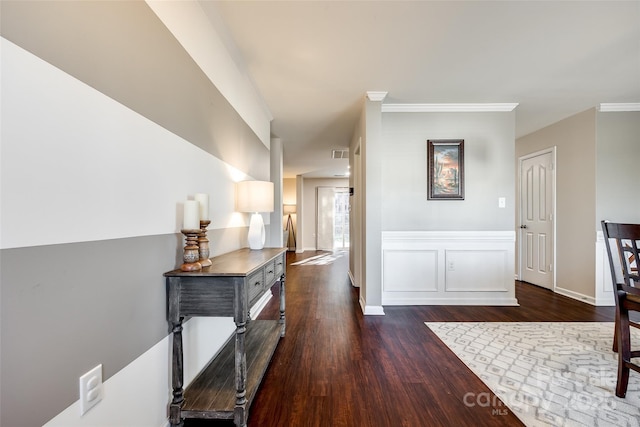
502	202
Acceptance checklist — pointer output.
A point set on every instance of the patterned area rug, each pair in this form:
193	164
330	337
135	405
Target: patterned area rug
546	373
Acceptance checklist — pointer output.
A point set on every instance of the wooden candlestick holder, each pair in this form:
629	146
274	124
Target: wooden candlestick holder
191	253
203	244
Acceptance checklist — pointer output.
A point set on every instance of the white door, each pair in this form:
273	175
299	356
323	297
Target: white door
536	218
325	216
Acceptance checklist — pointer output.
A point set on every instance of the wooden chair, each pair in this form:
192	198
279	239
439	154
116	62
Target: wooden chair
622	242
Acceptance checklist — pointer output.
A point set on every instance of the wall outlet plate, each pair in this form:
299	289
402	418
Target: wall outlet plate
91	389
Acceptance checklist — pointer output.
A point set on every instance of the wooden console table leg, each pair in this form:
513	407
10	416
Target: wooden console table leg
177	376
282	303
240	411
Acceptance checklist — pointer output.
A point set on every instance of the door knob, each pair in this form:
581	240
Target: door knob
523	226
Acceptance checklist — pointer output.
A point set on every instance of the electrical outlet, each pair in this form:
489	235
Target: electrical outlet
451	265
90	389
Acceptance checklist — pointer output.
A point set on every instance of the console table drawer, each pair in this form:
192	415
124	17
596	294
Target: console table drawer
269	274
279	265
255	285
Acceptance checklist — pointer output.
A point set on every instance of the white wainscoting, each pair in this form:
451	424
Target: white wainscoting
604	287
448	268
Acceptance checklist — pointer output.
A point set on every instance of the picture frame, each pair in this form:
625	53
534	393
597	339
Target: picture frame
445	166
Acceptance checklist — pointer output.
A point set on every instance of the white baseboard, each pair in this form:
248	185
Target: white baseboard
352	280
491	301
576	295
371	310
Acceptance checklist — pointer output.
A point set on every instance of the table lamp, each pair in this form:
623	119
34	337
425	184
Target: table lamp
290	210
255	197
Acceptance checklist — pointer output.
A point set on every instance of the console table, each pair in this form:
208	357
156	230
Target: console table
225	388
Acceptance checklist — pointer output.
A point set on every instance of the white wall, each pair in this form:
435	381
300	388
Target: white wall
80	179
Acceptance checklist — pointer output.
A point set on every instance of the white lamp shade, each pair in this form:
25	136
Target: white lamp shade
289	209
254	196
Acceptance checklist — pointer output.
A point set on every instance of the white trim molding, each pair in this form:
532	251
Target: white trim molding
554	191
448	268
371	310
604	287
449	108
376	96
576	295
352	279
613	107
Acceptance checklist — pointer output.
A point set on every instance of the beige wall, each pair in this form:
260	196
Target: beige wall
289	191
575	139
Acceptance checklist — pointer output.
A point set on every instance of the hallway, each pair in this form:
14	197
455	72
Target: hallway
338	368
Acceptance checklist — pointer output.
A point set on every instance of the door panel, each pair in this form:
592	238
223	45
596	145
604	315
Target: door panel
536	222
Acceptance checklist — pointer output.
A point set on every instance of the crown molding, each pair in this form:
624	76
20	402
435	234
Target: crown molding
376	96
611	107
448	108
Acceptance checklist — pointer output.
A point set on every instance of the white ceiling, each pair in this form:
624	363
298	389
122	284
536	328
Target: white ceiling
313	61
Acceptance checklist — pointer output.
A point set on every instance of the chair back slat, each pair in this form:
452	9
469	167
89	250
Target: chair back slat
625	238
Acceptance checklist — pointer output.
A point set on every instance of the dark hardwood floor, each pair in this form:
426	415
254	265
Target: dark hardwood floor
336	367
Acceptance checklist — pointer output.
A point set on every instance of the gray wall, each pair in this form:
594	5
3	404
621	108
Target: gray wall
122	49
617	167
489	171
66	307
393	186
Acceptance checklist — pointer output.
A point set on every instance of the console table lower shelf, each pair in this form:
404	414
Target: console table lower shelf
212	394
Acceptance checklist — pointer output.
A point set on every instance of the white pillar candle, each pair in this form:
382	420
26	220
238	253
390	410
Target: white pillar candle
203	199
191	220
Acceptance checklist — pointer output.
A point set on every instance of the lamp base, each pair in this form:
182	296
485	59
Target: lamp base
256	235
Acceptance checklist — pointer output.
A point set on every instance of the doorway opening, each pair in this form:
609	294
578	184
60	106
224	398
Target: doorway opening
537	218
332	228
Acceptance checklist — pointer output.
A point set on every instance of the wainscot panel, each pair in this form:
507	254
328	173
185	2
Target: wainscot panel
448	268
604	287
402	267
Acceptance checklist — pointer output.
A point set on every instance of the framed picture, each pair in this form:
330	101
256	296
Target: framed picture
445	163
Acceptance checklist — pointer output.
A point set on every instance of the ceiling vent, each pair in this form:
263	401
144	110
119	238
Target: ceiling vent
339	154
